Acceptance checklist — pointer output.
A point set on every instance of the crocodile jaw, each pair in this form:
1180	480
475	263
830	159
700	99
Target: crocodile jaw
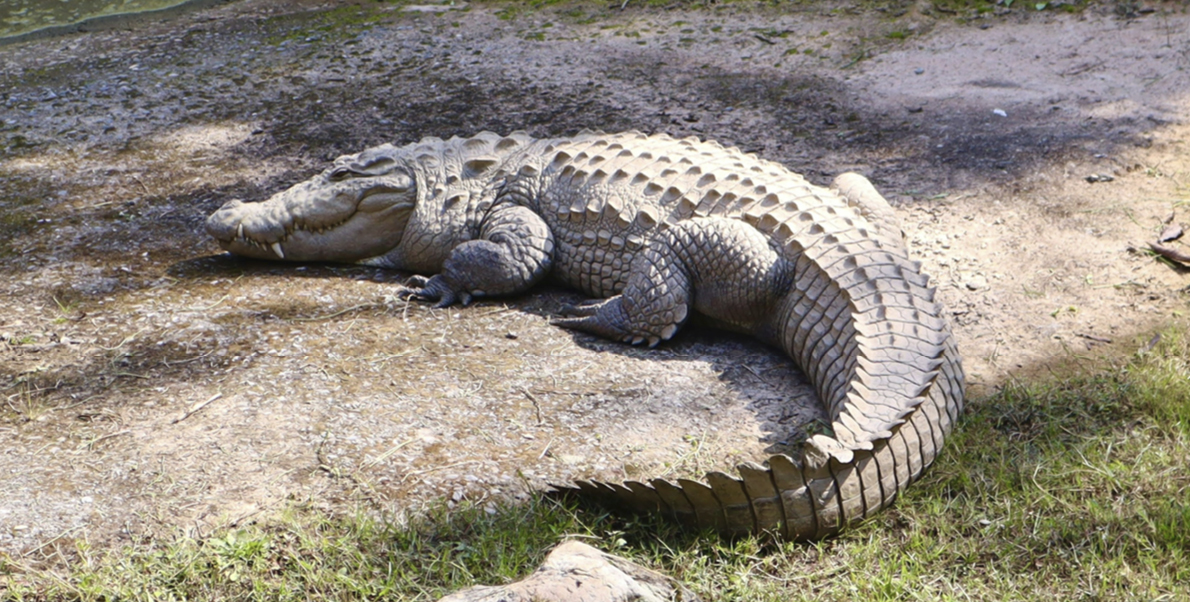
319	220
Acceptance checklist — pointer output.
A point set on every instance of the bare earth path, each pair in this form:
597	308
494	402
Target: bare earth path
150	384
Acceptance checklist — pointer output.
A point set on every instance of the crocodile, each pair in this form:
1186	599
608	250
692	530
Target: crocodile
657	229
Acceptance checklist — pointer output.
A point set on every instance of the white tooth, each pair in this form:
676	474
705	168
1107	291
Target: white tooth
240	231
277	250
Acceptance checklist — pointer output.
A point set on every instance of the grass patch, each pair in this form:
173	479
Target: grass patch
304	554
1069	489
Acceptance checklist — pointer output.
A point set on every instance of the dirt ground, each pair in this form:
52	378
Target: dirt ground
151	384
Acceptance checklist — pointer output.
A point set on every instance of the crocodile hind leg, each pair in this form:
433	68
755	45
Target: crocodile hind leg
721	268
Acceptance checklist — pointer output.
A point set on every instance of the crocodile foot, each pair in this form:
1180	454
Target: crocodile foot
605	318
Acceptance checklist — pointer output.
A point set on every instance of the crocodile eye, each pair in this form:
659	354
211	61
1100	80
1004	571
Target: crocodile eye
340	173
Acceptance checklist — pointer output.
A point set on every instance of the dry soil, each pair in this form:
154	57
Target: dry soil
151	384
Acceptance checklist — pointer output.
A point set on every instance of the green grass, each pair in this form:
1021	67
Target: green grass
1073	489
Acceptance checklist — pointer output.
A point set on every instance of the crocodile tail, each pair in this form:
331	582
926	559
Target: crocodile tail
837	480
862	323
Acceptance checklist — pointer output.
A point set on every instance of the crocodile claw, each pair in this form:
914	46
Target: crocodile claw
416	281
434	289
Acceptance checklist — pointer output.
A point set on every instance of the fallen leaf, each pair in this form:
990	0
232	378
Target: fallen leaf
1172	254
1173	232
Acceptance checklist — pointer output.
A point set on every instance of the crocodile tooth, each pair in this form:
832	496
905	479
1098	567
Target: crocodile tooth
240	231
277	249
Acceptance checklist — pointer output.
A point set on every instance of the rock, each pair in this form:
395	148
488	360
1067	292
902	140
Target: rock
576	572
976	282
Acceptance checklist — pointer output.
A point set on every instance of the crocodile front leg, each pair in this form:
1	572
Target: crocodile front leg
514	251
721	268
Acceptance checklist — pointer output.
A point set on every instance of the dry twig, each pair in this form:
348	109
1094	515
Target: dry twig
195	408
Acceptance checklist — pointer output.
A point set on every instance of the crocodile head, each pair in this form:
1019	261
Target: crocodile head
356	209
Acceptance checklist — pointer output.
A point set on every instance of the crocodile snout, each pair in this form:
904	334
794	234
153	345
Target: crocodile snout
222	224
249	229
